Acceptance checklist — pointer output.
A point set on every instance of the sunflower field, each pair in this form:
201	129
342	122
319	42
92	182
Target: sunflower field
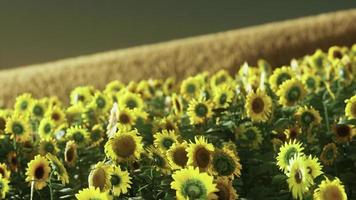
287	133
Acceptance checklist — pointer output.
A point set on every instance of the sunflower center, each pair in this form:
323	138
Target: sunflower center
298	176
131	103
337	54
343	130
307	118
177	105
47	128
329	154
202	157
115	179
223	193
100	102
194	189
201	110
180	156
170	126
310	83
38	111
293	94
258	105
2	123
353	109
78	137
282	77
69	154
223	164
332	193
39	172
49	147
17	128
55	116
250	134
124	118
2	172
223	98
95	135
191	88
99	178
289	154
167	142
124	147
24	105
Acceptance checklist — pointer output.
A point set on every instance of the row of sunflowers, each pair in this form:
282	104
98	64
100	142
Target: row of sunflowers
287	133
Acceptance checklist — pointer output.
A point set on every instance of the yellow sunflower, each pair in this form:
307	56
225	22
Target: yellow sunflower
249	136
350	109
70	153
23	102
291	92
58	168
308	116
4	189
168	123
343	132
329	154
4	171
222	96
292	133
56	114
130	100
287	152
177	155
99	176
279	76
92	193
48	146
225	163
200	153
18	127
38	109
163	140
177	104
169	85
96	134
189	183
78	134
12	161
113	87
81	95
330	190
3	116
190	88
313	166
199	111
46	128
258	106
311	81
38	171
225	191
124	146
120	181
127	117
299	180
100	102
220	78
159	160
335	53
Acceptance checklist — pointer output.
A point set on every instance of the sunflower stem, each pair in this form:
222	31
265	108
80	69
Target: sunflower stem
50	185
326	117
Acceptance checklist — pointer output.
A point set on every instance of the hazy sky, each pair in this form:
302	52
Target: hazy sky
39	31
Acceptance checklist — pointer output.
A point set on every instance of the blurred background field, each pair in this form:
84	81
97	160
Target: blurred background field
40	31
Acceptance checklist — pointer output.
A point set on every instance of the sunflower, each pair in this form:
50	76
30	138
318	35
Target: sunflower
177	104
258	106
96	135
127	117
311	81
169	85
81	95
18	127
177	155
159	160
3	116
222	96
70	153
4	171
58	168
78	134
48	146
56	114
23	102
226	163
4	189
316	61
350	109
46	128
299	180
168	123
226	190
101	102
329	154
100	175
249	136
92	193
38	171
313	166
290	92
12	161
308	116
190	88
38	109
287	152
292	133
335	53
221	77
120	181
163	140
200	153
113	87
343	132
198	111
130	100
124	146
279	76
330	190
189	183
